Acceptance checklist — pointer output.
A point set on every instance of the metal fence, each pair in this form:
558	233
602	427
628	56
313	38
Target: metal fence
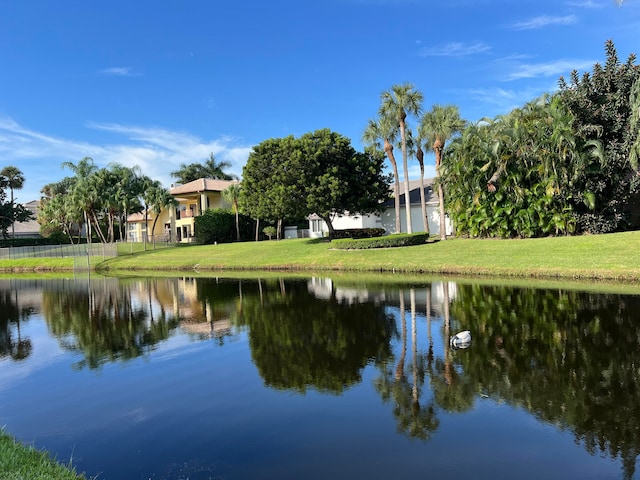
60	251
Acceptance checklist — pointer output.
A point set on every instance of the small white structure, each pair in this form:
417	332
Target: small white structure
387	219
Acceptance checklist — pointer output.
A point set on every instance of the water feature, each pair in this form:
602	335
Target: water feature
275	377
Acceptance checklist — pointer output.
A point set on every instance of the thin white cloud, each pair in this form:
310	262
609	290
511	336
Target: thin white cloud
156	151
455	49
554	68
588	4
545	21
119	72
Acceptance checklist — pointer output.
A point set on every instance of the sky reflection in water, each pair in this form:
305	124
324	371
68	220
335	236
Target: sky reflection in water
312	378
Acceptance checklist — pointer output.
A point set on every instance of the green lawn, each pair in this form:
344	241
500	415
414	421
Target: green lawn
607	257
611	257
18	462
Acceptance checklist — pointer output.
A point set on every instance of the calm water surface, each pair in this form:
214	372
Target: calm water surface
219	378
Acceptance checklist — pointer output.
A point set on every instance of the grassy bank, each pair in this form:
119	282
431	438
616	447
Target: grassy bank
605	257
611	257
18	462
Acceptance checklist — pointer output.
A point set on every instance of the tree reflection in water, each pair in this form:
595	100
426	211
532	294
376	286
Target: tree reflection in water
18	348
300	341
571	358
106	320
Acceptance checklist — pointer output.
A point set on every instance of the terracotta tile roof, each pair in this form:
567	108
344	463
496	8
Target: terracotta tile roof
202	185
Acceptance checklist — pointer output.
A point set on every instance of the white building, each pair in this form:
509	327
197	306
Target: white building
387	219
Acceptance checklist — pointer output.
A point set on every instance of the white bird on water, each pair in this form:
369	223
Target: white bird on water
461	339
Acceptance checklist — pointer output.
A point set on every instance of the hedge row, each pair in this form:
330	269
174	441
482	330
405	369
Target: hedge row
397	240
359	233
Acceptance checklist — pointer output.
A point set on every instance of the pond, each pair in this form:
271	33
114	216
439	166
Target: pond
317	378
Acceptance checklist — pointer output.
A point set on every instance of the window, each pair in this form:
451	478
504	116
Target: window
316	226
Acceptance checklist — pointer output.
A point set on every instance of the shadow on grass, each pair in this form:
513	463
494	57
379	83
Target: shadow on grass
315	241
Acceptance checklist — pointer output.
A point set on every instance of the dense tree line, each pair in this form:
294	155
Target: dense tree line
100	200
562	164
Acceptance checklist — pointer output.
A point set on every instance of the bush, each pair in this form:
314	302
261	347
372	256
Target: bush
219	226
359	233
398	240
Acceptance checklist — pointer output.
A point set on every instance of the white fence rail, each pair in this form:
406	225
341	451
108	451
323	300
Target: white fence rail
60	251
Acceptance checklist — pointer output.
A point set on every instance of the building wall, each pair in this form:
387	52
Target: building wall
318	228
433	216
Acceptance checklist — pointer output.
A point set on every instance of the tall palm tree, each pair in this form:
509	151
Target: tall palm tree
161	200
232	195
386	130
15	181
397	103
437	126
80	191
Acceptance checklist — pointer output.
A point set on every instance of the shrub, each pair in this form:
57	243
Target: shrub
359	233
270	231
219	226
397	240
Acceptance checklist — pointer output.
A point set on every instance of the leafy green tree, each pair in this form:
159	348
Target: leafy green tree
335	179
320	173
634	154
534	160
397	103
601	102
270	182
436	127
210	169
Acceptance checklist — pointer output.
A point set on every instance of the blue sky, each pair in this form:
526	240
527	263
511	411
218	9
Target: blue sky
163	82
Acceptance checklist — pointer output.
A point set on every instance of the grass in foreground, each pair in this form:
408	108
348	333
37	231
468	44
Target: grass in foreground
18	462
611	257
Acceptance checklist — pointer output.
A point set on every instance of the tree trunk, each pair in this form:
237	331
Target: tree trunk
437	148
13	217
423	203
327	220
237	223
257	229
405	166
146	223
388	148
279	229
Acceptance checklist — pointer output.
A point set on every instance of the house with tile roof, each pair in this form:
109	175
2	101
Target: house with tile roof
177	224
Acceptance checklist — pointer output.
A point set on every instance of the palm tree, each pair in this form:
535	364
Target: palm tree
386	130
232	195
154	197
161	200
397	103
437	126
210	169
80	192
15	181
